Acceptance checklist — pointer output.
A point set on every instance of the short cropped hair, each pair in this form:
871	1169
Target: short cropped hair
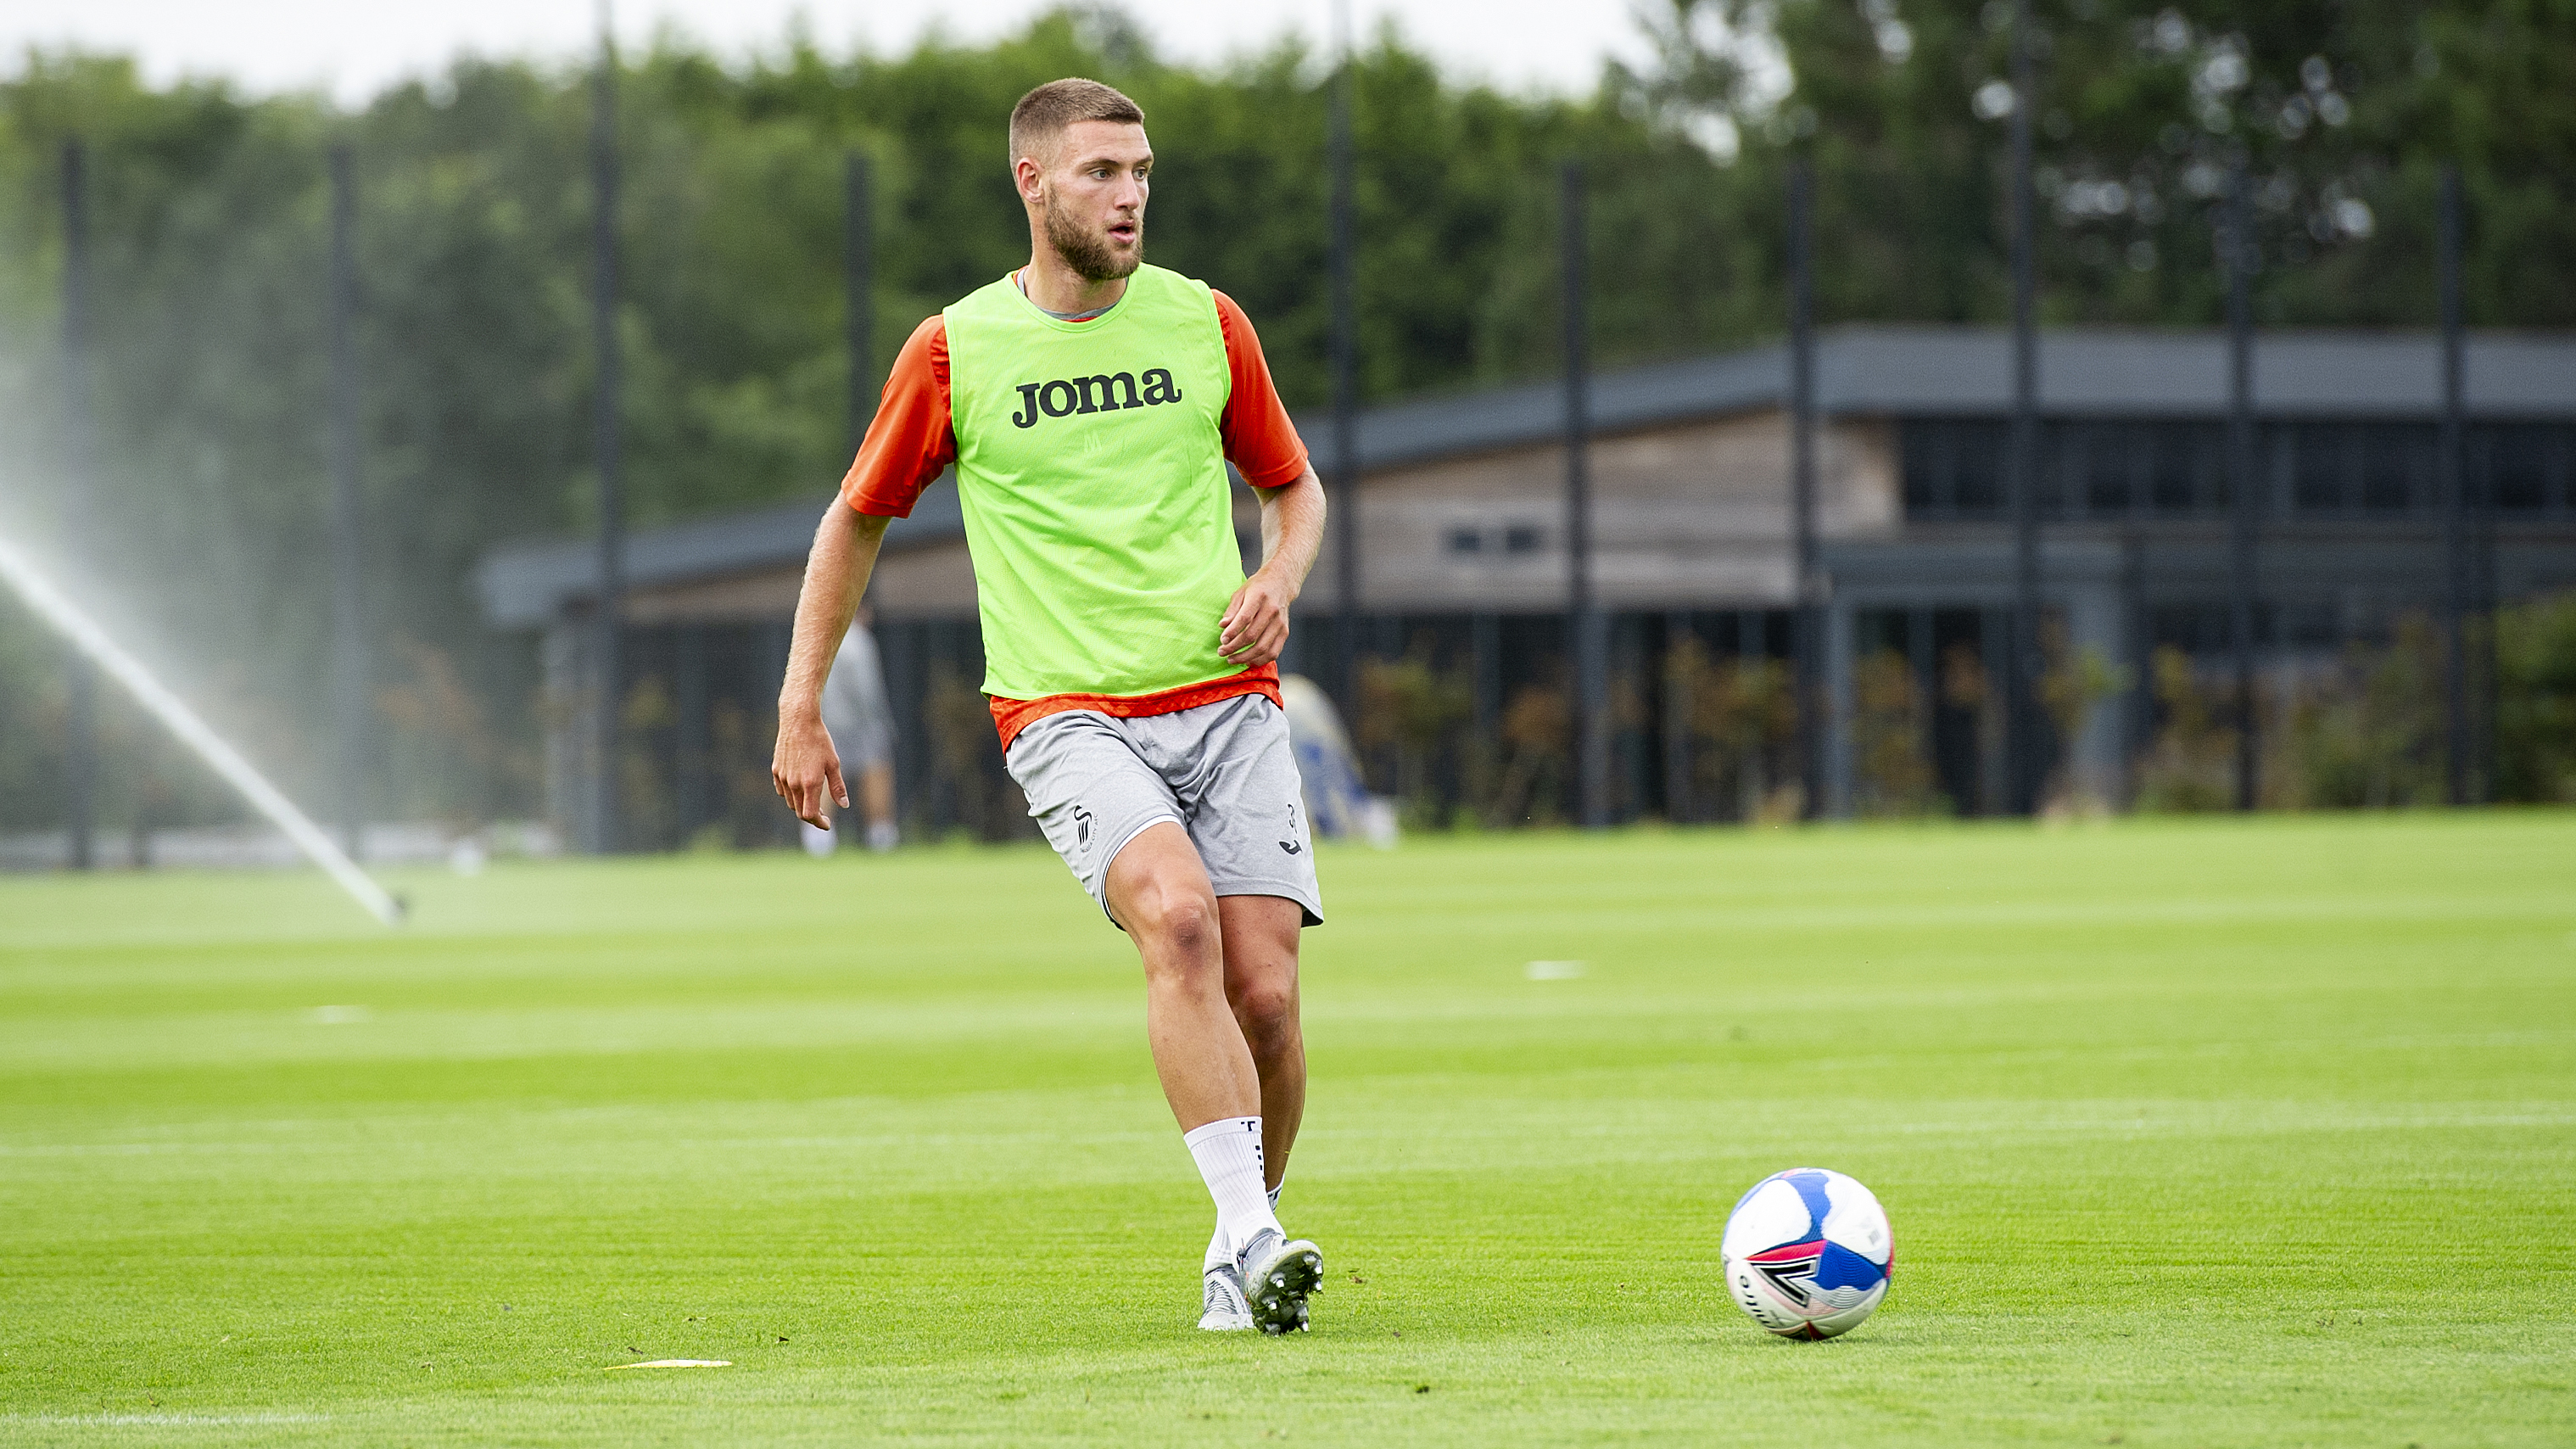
1042	115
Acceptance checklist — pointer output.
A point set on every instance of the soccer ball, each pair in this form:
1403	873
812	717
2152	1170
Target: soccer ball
1807	1253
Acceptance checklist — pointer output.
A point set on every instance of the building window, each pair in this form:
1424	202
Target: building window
2182	471
2318	466
2396	468
2522	467
2110	452
1954	468
2174	468
1977	467
1474	541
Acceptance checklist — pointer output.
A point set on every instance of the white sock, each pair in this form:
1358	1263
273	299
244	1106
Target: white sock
1219	1251
1228	1152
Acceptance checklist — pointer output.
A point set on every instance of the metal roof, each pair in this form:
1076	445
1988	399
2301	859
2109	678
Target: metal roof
526	582
1967	371
1860	371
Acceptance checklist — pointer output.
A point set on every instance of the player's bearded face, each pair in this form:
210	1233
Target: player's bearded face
1101	243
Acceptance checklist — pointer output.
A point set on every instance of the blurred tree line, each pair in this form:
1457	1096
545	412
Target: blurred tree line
204	530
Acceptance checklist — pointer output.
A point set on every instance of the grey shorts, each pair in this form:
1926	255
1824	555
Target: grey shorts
865	745
1223	772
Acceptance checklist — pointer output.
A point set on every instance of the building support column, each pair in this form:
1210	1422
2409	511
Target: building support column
777	636
1840	651
564	657
1485	664
2137	653
1924	665
693	727
901	644
2095	625
1681	679
1994	754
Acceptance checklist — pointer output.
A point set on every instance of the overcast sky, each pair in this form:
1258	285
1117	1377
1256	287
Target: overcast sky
353	49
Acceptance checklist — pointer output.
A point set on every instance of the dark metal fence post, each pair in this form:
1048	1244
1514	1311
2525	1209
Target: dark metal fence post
858	291
1806	634
1344	509
2022	663
348	519
607	405
80	725
2456	602
2244	493
1583	614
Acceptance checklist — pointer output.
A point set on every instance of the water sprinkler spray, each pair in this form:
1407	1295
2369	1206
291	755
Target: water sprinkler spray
49	602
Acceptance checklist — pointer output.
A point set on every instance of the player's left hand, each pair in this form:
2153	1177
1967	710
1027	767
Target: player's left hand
1255	626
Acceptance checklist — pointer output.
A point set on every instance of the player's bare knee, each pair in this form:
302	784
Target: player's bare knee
1180	921
1266	1009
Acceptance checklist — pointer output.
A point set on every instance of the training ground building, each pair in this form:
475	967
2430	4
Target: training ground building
1462	574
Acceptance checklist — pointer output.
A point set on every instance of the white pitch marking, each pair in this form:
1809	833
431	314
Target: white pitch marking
1552	970
341	1015
192	1419
677	1363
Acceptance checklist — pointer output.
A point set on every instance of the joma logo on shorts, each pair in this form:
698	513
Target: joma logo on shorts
1106	392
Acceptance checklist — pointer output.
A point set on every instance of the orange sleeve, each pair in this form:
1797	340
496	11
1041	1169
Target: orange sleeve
1259	440
912	441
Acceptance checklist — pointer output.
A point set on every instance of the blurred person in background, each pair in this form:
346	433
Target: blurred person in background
862	725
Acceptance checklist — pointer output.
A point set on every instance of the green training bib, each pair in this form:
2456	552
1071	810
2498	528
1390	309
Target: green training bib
1094	485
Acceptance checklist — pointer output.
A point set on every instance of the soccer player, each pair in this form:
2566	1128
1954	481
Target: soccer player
1090	404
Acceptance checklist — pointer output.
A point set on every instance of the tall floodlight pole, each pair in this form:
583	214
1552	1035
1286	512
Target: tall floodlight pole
2021	716
348	524
80	726
858	331
2453	476
2244	491
607	402
1345	511
1582	612
1806	635
858	290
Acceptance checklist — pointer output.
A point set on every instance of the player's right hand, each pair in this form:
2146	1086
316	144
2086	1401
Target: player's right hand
806	771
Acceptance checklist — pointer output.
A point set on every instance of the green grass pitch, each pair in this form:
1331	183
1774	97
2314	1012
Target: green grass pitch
2217	1133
